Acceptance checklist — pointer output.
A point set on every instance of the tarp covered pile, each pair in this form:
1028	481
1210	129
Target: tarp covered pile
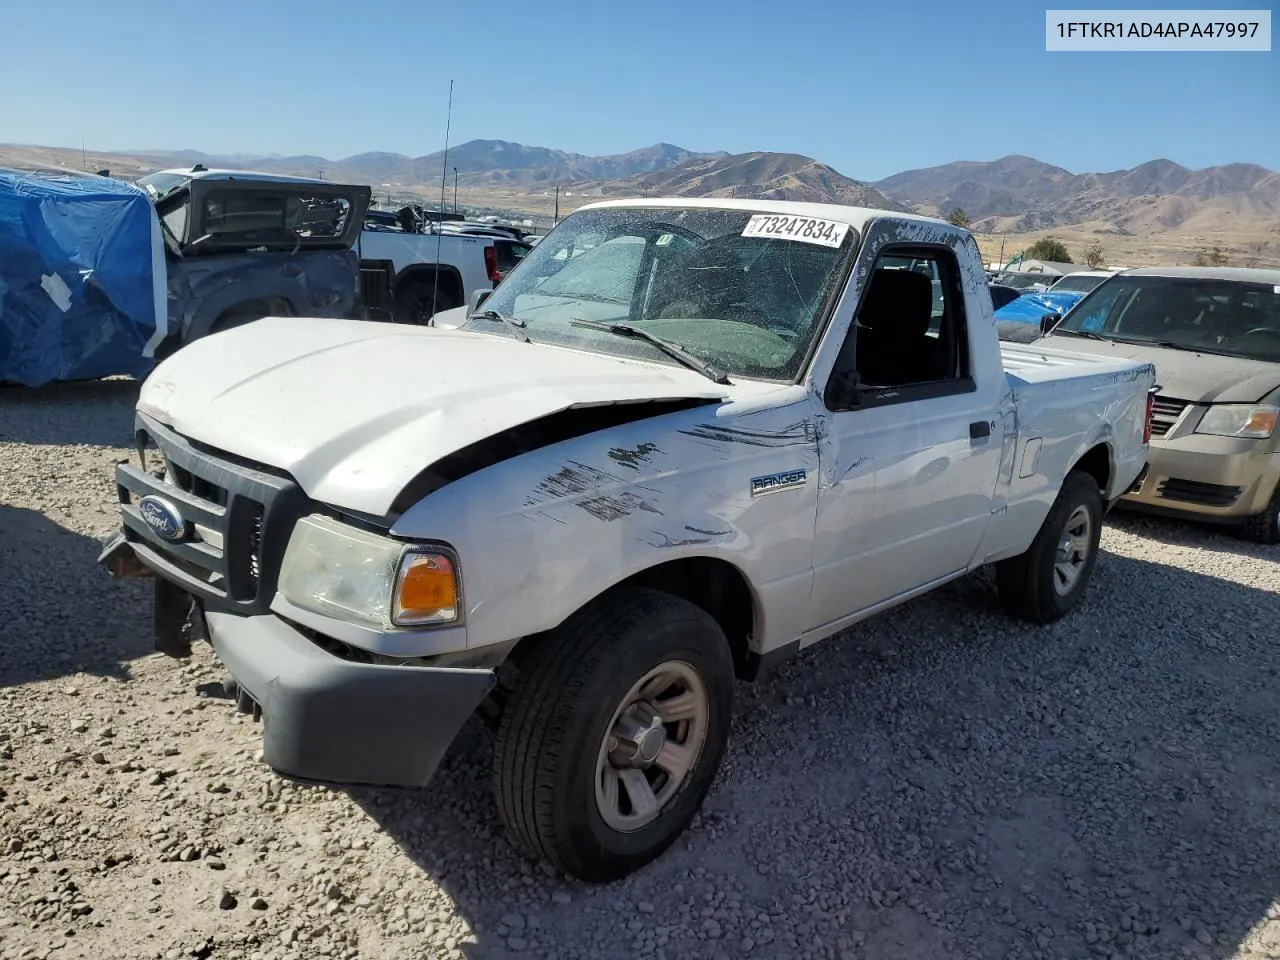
82	278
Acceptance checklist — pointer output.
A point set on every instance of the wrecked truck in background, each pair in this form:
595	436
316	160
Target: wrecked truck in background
81	278
242	245
99	277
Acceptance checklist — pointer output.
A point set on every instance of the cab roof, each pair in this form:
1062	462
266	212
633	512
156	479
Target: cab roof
1238	274
219	173
856	217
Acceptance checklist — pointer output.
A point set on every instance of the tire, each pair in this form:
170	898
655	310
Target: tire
413	302
1264	527
552	771
1033	585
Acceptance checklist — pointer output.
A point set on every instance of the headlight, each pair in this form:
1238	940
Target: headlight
1253	420
345	572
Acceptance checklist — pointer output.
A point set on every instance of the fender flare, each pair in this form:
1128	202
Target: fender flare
449	274
209	310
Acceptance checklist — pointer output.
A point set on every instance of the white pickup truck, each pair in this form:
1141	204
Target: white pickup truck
720	433
436	271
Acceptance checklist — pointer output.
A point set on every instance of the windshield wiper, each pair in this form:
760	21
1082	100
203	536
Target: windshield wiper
1135	341
1167	344
1079	333
672	350
517	326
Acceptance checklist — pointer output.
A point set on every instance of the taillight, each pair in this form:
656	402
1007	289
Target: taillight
1151	406
491	264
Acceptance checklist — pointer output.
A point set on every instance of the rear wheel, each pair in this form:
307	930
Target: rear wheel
1265	526
613	734
1044	583
419	300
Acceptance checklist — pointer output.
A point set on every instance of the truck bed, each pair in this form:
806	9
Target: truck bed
1026	364
1063	405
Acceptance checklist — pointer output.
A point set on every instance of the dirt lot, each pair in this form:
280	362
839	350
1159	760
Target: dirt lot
947	783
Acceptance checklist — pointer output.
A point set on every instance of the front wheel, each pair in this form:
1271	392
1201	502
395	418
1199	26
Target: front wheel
1265	526
1045	582
613	734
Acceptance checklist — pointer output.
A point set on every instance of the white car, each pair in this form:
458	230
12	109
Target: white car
711	434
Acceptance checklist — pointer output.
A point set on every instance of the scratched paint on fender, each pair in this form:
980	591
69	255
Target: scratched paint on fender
634	457
575	478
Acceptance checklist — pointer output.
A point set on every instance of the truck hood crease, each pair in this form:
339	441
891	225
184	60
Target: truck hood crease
355	411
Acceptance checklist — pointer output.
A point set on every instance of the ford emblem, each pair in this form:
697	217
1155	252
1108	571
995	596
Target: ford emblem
162	517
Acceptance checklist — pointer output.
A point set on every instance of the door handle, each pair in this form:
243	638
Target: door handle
979	429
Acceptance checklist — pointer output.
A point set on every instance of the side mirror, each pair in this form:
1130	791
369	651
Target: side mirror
1049	321
478	297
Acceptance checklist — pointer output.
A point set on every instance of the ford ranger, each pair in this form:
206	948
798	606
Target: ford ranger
683	440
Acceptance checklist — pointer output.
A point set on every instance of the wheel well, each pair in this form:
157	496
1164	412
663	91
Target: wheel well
1097	464
716	586
450	290
267	307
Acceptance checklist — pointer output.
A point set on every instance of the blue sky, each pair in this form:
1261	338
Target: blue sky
869	88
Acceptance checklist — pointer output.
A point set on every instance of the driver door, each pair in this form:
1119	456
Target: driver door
910	465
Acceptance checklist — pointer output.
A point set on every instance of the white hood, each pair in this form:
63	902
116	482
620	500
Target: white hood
354	410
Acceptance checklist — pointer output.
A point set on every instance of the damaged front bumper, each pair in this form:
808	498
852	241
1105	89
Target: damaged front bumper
335	721
325	718
176	618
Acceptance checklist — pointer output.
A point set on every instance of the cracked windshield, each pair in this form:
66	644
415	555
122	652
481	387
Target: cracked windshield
747	305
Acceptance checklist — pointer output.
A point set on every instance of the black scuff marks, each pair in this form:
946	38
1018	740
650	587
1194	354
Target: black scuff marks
633	457
797	434
709	533
577	478
665	541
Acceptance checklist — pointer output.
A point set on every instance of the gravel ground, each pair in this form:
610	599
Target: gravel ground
952	784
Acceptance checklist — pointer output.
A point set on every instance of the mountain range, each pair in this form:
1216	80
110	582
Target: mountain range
478	162
1018	194
1011	195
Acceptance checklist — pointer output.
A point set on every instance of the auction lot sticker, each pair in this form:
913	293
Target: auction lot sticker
1154	31
827	233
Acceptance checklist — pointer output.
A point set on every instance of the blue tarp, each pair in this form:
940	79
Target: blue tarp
1030	307
81	278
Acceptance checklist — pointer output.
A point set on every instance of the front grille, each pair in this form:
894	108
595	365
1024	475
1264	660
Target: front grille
238	518
255	547
1203	494
1164	414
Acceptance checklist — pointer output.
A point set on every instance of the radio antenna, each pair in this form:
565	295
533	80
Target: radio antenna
444	174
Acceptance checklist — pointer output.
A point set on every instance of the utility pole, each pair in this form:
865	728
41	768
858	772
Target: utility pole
444	172
557	216
455	189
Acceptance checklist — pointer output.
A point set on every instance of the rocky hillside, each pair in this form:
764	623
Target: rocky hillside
761	176
1019	194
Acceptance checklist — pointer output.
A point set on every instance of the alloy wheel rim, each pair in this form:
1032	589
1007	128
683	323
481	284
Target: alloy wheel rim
651	745
1074	547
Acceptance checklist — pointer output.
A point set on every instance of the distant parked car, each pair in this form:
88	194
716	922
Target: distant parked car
1027	281
1081	282
1002	294
1213	334
1033	306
